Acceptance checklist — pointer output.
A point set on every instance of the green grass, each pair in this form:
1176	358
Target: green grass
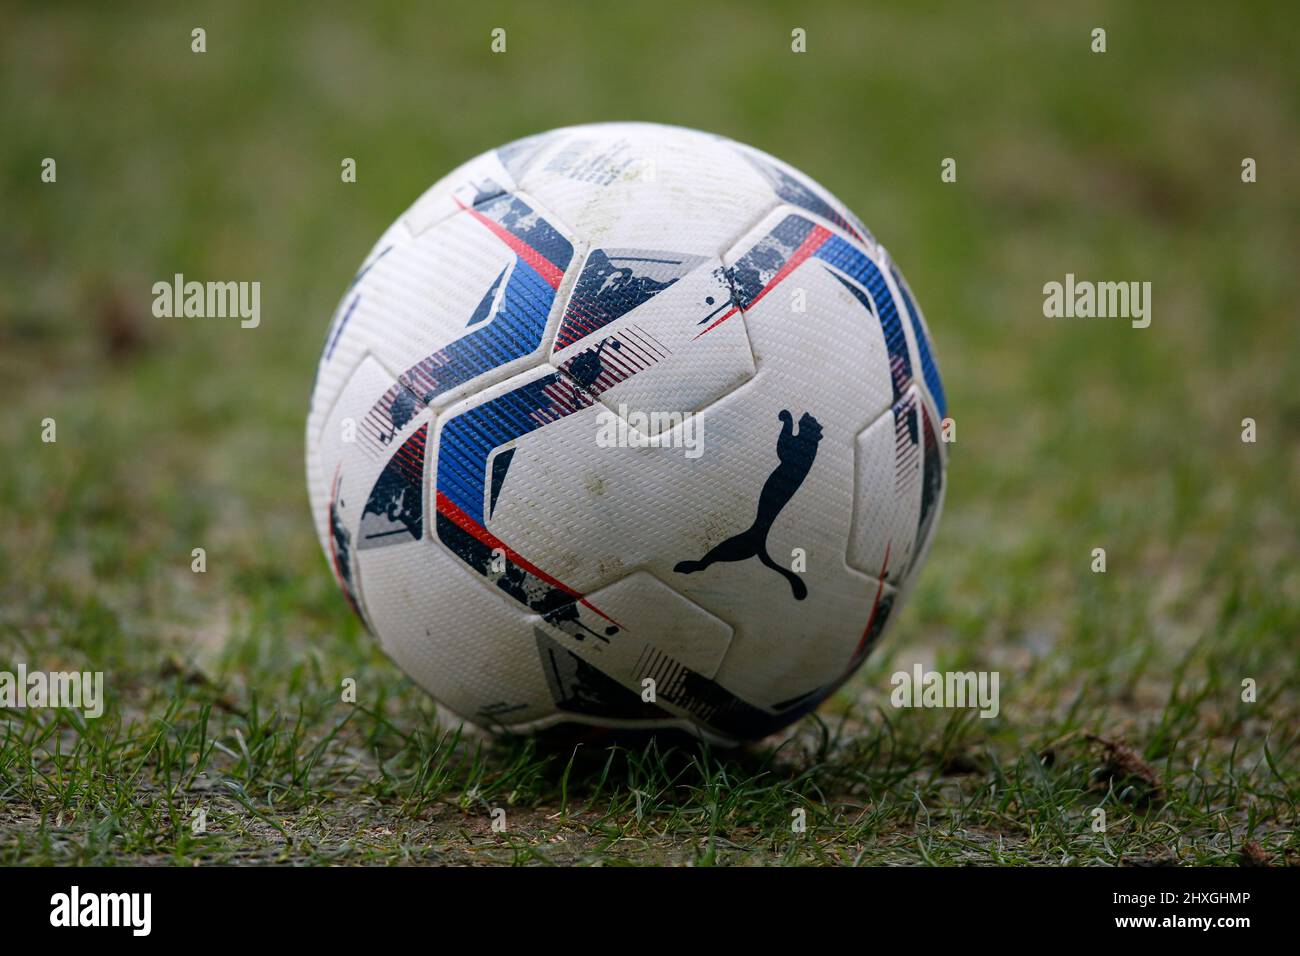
1120	691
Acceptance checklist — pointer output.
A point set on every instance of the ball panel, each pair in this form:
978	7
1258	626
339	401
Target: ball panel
934	482
519	155
641	347
923	349
485	174
798	189
343	472
334	367
466	302
638	185
798	286
887	491
477	654
651	630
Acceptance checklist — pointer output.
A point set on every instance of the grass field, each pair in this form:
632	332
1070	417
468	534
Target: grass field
1120	690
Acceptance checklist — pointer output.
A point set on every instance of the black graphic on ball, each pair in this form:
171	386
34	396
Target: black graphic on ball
796	452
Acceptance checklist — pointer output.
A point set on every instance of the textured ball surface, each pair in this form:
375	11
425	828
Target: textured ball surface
627	425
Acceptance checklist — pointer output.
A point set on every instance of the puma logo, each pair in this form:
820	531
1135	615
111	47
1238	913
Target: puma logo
796	453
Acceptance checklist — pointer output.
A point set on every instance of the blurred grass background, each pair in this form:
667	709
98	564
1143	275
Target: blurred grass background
183	433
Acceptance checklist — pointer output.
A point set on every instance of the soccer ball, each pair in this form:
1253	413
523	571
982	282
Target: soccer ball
627	425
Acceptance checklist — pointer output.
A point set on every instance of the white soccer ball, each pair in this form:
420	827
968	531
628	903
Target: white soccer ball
627	425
